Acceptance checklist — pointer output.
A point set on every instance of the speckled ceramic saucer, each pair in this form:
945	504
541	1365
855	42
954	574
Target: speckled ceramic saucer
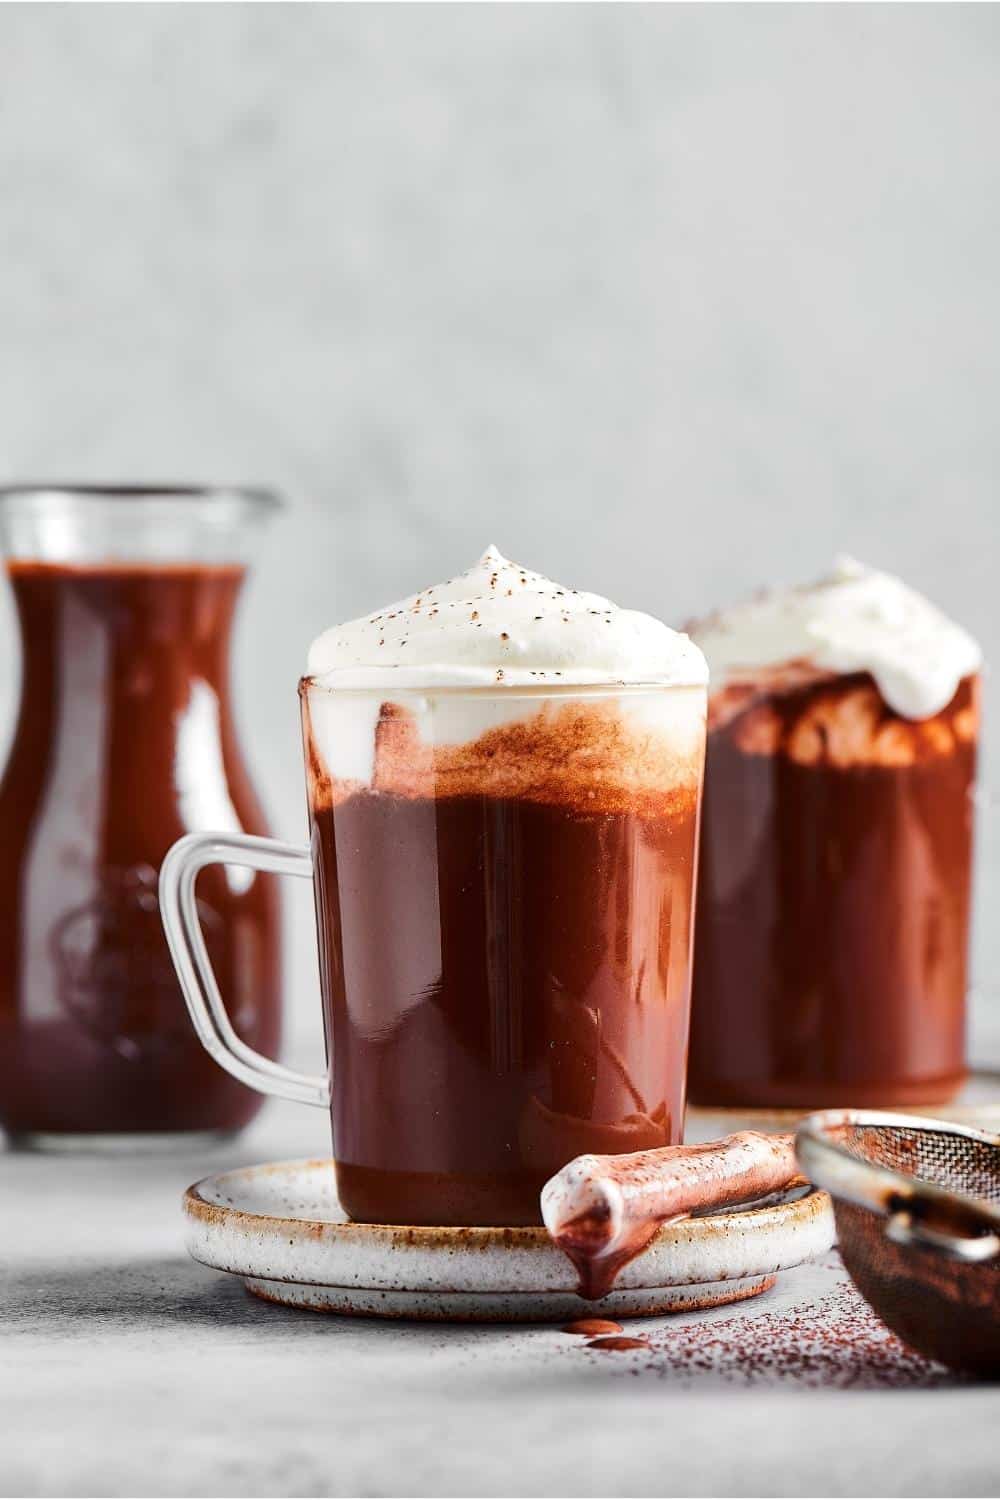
281	1228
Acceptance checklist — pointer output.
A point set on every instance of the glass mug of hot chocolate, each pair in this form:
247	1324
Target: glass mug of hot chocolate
504	780
836	849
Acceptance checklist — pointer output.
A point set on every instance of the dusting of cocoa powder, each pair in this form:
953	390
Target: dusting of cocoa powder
618	1345
584	754
835	1342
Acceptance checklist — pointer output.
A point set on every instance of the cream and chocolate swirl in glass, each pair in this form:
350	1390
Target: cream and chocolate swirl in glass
504	782
836	850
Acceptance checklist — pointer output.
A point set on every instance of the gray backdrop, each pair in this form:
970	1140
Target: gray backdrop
665	301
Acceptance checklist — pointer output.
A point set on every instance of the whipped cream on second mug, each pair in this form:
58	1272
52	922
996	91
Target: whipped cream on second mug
502	627
856	620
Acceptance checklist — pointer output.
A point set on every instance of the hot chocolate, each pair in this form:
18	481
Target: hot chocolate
504	781
834	884
124	741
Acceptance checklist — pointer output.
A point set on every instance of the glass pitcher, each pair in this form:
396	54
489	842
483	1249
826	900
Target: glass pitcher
124	741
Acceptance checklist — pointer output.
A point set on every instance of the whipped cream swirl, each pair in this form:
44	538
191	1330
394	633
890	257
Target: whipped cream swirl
501	624
856	620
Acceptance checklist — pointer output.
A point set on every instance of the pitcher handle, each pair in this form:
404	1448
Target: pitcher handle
199	987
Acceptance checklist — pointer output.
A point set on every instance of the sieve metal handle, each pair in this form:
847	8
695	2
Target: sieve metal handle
903	1228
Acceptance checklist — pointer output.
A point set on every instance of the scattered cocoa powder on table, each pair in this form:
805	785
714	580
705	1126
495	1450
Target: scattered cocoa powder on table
835	1342
618	1345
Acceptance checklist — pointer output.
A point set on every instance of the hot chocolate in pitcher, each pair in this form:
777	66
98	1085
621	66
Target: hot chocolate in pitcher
124	741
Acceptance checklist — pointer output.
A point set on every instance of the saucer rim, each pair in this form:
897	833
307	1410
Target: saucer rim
239	1236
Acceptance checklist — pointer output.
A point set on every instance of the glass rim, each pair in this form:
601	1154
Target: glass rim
386	688
40	492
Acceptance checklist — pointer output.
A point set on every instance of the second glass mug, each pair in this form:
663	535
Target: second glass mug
504	890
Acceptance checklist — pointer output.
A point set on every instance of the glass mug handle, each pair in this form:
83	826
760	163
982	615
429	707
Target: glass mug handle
198	984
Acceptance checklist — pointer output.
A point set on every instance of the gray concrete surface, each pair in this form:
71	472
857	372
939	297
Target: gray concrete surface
126	1369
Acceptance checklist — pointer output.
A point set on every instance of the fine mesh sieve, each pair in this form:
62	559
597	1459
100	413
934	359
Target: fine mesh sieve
917	1207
